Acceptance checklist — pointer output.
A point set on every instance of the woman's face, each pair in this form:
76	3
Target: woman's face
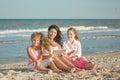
52	33
70	35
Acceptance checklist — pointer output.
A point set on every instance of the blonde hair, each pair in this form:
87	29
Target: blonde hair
44	42
35	34
75	32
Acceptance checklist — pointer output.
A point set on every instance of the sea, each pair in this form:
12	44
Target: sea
96	35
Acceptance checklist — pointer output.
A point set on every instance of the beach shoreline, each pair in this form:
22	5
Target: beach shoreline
108	67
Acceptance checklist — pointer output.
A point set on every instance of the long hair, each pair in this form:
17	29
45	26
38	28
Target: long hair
58	37
75	32
44	42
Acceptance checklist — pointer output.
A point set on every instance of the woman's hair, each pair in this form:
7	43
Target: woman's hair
75	32
58	37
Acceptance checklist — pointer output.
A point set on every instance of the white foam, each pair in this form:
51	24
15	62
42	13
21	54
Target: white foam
22	30
82	29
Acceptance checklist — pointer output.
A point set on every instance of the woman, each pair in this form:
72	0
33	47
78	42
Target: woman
54	35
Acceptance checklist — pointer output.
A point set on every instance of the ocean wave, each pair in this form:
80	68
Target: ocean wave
21	31
82	29
11	41
101	37
90	27
45	29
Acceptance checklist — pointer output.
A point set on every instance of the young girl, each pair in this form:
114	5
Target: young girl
35	55
73	50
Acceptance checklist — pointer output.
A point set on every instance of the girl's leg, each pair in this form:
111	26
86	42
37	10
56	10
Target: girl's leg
49	71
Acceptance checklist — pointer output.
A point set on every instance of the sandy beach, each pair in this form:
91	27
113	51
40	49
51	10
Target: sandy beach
108	68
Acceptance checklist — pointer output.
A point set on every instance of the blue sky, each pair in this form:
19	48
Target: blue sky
60	9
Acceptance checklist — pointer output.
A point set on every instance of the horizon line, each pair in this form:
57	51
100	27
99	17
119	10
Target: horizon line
58	18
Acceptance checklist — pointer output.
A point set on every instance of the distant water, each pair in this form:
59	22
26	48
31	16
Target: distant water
96	35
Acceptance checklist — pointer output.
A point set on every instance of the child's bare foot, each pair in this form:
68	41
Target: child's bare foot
94	66
72	70
78	70
90	66
50	71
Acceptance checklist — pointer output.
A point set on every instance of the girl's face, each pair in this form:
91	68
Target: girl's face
36	41
71	35
52	33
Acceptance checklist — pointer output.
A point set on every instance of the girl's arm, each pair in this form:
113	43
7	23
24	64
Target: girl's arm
40	58
30	54
37	63
71	53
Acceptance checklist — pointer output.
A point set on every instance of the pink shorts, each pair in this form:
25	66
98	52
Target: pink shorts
80	62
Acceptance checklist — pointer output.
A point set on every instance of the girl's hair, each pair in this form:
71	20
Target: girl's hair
44	42
35	34
75	32
58	37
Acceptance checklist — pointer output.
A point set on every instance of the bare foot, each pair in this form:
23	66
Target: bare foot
90	66
78	70
57	70
72	70
50	71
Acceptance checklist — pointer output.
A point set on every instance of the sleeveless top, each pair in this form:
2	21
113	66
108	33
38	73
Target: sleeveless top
35	54
51	49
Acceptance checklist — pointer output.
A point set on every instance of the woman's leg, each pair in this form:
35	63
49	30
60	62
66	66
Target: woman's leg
53	67
62	65
67	62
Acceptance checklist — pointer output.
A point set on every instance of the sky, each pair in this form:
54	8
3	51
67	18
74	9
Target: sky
59	9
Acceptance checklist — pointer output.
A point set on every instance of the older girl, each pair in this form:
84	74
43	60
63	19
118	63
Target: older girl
73	51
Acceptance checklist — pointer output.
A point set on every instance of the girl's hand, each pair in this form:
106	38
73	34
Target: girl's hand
51	55
37	65
71	53
74	58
